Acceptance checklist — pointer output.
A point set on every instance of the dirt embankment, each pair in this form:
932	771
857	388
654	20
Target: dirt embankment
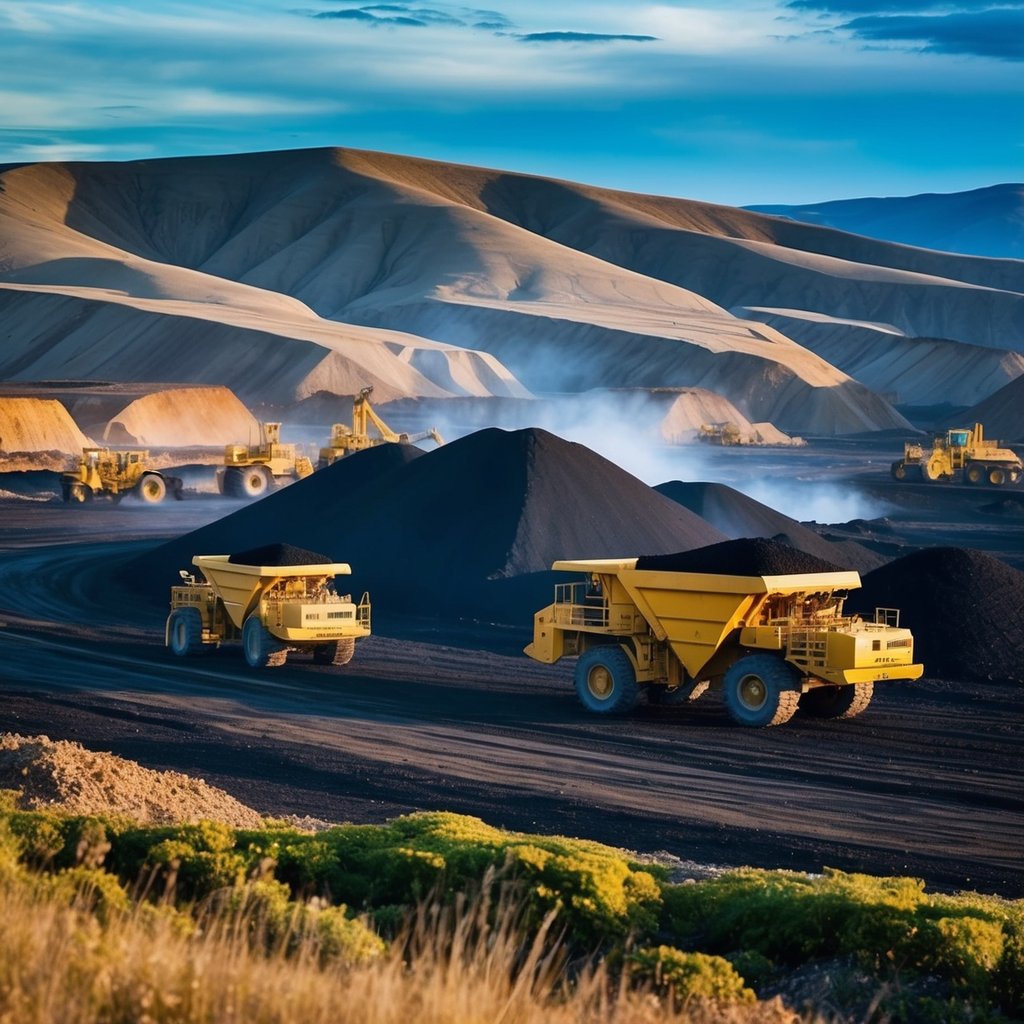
37	425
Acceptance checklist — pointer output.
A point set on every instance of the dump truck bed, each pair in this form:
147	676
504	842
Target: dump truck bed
239	585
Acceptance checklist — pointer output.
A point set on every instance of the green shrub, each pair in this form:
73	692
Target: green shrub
685	976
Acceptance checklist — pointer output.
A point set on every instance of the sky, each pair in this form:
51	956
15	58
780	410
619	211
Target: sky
739	102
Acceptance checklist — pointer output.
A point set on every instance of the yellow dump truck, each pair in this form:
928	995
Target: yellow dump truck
770	644
251	470
961	455
272	609
114	474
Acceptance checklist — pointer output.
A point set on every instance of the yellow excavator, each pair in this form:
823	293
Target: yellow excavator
346	439
961	455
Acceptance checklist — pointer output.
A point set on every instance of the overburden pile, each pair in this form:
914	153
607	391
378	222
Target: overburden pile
747	556
965	609
469	529
738	515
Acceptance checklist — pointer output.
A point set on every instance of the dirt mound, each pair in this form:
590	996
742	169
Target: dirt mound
279	554
744	557
38	425
179	417
965	609
60	774
737	515
471	528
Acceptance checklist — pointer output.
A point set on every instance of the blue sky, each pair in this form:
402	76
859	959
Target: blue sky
737	102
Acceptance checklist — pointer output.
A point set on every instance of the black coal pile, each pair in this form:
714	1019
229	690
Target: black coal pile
469	529
738	515
965	609
747	556
279	554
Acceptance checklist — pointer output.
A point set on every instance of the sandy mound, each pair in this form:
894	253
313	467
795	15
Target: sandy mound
471	528
38	425
180	417
965	609
67	776
698	407
738	515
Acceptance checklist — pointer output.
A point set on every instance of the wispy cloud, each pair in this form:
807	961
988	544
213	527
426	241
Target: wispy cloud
899	6
581	37
992	33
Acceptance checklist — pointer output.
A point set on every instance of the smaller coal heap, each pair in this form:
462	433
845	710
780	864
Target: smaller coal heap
748	556
965	609
279	554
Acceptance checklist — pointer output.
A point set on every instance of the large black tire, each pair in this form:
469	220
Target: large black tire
837	701
975	473
185	631
899	471
261	650
338	653
255	481
605	681
77	493
997	476
151	488
761	690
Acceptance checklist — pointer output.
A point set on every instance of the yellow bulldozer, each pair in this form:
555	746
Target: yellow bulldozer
346	439
960	455
251	470
114	474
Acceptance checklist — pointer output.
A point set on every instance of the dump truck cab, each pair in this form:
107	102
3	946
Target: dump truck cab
770	643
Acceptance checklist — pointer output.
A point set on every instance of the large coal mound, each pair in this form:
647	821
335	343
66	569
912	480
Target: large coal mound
470	529
746	556
965	609
738	515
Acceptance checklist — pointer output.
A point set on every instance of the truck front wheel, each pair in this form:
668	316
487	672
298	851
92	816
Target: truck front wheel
152	488
605	681
761	690
837	701
185	631
899	471
260	648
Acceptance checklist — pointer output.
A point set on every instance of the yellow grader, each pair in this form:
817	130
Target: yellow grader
960	455
114	474
250	471
769	644
271	609
345	439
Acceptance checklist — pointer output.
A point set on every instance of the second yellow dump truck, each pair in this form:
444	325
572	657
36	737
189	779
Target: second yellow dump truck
271	608
770	644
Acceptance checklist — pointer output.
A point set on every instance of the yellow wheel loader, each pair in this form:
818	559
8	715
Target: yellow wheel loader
271	609
250	471
770	644
346	439
961	455
114	474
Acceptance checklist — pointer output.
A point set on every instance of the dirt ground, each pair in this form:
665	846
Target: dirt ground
450	716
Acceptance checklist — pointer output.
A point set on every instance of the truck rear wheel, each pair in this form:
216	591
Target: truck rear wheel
761	690
185	631
338	653
605	681
261	650
997	476
254	482
899	471
837	701
77	493
152	488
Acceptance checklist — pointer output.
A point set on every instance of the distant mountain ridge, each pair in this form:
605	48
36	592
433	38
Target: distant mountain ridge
981	222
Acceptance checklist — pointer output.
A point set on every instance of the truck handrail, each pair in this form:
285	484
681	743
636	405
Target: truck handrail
580	605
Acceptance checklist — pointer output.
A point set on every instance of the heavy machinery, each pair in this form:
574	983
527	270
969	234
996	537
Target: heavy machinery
346	439
114	474
962	455
770	644
253	469
271	609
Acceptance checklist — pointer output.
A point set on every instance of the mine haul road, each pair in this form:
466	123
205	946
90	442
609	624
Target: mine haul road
928	782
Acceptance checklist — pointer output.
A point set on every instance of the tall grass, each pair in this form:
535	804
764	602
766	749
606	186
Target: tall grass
65	963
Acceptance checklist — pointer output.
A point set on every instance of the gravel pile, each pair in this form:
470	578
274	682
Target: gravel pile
469	529
58	774
746	556
965	609
279	554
